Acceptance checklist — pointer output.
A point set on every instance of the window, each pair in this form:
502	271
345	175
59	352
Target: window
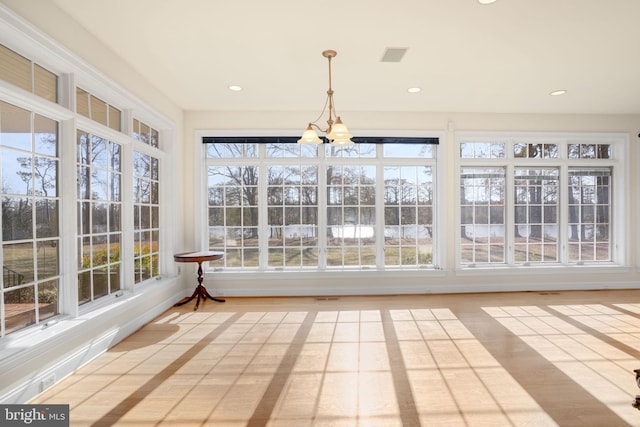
308	207
98	110
27	75
536	215
72	191
351	215
146	205
145	133
589	214
146	214
99	179
482	213
292	215
482	150
233	213
408	215
30	205
536	201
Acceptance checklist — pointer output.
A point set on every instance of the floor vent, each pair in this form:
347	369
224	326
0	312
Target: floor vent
327	299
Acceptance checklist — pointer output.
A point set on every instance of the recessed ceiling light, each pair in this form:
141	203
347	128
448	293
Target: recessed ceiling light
558	92
486	1
414	89
235	88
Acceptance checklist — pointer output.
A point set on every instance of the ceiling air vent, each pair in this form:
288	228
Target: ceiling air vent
393	54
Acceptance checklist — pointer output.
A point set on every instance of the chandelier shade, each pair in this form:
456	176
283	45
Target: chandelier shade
336	132
310	136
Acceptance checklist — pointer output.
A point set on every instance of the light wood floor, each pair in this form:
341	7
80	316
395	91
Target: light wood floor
509	359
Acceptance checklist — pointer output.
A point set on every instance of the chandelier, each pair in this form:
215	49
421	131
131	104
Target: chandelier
337	133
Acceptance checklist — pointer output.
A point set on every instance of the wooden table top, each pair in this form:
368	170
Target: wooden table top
200	256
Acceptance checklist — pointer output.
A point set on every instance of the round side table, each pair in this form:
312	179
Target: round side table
200	291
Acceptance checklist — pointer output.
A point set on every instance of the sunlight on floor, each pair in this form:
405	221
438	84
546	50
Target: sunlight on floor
343	367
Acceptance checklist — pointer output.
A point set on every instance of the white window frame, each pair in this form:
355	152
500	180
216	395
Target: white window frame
619	161
200	208
72	72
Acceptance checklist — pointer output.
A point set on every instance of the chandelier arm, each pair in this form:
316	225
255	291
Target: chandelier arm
326	102
313	125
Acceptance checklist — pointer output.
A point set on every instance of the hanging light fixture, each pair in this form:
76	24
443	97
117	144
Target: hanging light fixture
337	132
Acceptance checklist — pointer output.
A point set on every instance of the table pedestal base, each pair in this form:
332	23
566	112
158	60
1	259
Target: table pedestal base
199	293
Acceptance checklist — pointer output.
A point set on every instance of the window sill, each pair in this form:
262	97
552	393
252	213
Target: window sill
535	269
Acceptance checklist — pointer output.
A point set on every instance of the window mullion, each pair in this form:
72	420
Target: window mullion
563	223
509	232
322	210
127	243
69	220
380	186
263	226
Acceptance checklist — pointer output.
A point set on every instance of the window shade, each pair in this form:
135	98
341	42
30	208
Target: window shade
294	140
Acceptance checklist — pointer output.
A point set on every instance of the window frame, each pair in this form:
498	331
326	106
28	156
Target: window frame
618	161
71	73
109	201
201	202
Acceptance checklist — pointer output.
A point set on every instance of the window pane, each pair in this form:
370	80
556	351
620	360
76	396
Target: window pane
351	217
482	215
20	308
351	151
18	263
48	299
48	258
115	118
46	135
99	217
15	127
408	239
45	83
536	228
408	150
29	198
482	150
17	172
82	102
98	109
292	213
46	218
155	138
235	206
589	213
15	68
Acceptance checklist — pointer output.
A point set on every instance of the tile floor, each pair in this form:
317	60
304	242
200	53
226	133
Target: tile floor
505	359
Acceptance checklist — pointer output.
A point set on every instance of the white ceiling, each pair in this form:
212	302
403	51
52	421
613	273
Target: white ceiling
505	57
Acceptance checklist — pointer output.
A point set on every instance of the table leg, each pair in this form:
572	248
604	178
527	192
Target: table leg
200	292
